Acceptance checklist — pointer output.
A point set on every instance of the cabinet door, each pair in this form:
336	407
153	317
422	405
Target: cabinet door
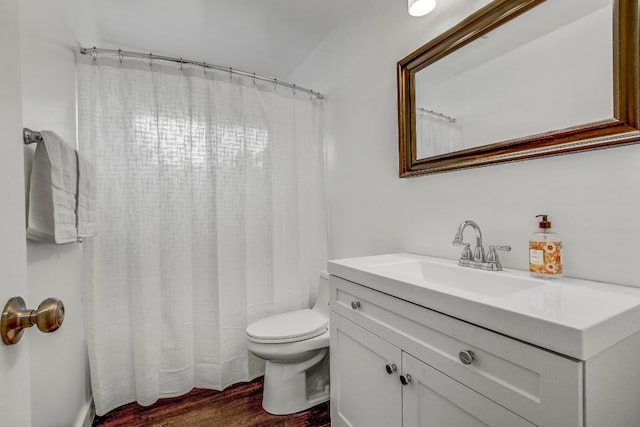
432	399
363	393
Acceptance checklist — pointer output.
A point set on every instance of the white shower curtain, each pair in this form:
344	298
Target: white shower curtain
210	215
436	135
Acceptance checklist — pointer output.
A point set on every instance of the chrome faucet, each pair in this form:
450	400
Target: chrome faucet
478	251
477	259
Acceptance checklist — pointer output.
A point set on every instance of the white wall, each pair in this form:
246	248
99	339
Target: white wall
593	198
60	390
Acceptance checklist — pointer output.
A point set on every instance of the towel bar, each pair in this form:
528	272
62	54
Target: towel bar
31	136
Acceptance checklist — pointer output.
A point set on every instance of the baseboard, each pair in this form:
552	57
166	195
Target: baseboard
86	415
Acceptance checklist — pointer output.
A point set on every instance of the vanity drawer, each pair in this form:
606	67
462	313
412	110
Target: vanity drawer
536	384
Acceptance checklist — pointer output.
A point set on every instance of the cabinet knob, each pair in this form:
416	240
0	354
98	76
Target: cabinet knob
405	379
467	357
355	305
391	368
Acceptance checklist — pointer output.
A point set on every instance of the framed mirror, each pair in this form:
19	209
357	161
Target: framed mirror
521	79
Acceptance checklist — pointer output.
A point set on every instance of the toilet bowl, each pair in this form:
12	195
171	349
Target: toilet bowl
295	346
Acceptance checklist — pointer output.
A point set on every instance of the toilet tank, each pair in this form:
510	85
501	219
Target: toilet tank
322	301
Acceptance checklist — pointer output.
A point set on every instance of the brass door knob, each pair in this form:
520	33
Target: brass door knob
49	315
16	318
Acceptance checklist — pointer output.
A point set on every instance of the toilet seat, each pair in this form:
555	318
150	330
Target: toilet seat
288	327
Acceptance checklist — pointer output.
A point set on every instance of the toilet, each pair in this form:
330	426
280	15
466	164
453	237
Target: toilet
295	346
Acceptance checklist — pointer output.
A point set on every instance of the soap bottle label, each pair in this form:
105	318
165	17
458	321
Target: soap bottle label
536	257
545	257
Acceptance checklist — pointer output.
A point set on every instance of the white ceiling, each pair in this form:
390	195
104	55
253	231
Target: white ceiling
268	37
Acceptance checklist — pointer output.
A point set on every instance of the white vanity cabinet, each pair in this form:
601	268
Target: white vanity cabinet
369	392
396	363
480	348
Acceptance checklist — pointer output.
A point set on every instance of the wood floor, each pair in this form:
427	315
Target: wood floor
238	405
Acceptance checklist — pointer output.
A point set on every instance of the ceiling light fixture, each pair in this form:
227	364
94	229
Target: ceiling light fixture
421	7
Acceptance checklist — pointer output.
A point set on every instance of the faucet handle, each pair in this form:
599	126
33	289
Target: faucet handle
467	255
492	256
493	261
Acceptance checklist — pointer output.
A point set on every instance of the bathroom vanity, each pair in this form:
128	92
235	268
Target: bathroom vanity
420	341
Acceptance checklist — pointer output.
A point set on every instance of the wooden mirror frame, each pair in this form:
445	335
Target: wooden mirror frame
621	129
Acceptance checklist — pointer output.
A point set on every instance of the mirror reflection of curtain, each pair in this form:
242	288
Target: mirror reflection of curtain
435	134
210	215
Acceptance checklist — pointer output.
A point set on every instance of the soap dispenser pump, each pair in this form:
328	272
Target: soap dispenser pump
545	251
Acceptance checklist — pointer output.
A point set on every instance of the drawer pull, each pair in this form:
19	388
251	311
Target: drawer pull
355	305
405	379
391	368
467	357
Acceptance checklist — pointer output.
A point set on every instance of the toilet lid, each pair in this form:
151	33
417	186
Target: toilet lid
288	327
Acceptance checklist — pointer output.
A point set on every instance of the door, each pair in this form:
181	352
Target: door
15	390
365	389
432	399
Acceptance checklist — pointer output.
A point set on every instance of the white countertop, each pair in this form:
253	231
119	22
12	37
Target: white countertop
574	317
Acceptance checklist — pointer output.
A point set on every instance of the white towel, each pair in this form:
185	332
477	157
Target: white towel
86	198
52	192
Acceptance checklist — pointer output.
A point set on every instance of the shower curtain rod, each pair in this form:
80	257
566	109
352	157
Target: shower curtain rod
94	51
436	114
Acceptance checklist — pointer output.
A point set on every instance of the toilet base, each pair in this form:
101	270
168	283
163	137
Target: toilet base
290	388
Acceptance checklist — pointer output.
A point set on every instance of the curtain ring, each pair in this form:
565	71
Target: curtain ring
150	60
230	73
254	78
94	54
275	82
294	89
204	67
180	64
120	56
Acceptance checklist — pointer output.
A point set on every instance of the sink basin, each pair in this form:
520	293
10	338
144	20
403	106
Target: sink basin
575	317
445	274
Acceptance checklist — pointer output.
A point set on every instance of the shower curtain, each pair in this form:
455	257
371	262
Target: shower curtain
436	135
210	215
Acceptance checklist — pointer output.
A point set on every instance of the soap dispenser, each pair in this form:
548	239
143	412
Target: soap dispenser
545	251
